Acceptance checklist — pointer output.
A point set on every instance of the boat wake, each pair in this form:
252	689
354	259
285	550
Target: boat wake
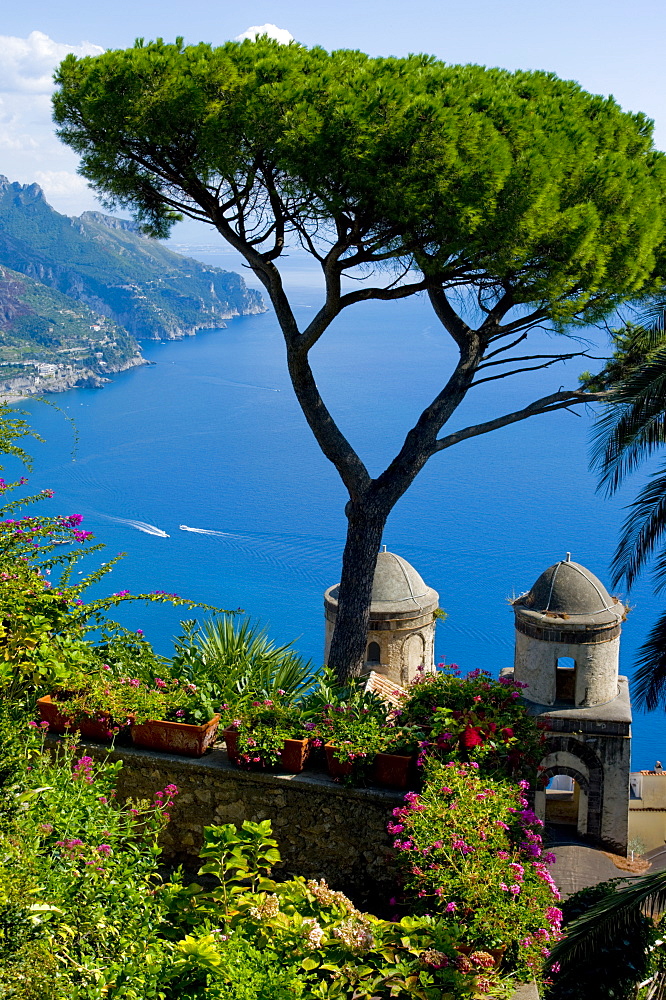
209	531
214	380
148	529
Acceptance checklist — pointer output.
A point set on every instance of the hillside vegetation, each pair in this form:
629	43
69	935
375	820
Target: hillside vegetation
37	321
104	263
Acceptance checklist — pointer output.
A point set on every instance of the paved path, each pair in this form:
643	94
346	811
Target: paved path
657	857
578	866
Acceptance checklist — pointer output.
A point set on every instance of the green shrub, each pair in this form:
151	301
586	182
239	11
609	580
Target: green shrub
468	849
472	718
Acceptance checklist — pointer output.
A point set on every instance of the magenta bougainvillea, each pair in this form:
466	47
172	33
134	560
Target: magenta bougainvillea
471	850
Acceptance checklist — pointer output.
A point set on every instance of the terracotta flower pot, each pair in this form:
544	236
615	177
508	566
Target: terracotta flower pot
292	759
60	721
176	737
394	770
336	768
294	755
231	741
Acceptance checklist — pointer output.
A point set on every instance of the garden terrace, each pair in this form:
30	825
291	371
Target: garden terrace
324	830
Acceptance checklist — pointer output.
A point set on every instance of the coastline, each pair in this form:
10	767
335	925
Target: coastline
83	378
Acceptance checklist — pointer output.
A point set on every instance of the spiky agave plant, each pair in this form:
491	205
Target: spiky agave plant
238	662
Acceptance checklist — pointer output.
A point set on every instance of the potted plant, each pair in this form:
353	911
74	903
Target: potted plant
268	735
394	764
353	738
168	715
98	705
475	717
184	721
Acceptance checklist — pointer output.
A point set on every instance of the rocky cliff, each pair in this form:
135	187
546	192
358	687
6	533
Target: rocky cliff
105	264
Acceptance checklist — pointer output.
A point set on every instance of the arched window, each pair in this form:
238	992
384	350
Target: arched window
565	680
374	653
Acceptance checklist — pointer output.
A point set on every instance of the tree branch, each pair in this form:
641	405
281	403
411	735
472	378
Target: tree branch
330	438
449	318
520	371
507	347
547	404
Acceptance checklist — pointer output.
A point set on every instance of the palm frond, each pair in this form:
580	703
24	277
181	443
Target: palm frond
654	313
633	423
642	530
611	917
648	685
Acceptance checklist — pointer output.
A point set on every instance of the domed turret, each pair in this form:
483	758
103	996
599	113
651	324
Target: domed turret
567	637
569	591
402	620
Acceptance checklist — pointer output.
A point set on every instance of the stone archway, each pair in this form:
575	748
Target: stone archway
592	787
579	817
412	657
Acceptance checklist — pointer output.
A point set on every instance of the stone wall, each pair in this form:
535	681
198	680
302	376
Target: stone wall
324	830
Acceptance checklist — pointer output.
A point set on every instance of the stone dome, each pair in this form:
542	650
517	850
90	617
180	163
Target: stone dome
569	592
397	590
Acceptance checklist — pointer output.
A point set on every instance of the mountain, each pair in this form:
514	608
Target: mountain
49	342
106	264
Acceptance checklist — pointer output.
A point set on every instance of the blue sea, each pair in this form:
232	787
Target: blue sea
210	436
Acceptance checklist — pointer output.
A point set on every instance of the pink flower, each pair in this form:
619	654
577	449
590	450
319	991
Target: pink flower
171	789
451	907
104	849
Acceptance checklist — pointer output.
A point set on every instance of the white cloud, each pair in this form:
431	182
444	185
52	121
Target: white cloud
279	34
62	183
27	64
29	149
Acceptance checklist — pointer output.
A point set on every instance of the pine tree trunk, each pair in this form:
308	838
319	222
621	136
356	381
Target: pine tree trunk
364	534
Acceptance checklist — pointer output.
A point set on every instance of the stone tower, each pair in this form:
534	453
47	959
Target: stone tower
401	634
567	656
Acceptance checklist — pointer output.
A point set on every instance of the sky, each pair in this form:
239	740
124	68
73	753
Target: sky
609	47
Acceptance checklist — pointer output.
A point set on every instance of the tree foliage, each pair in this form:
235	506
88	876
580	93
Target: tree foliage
513	199
479	175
